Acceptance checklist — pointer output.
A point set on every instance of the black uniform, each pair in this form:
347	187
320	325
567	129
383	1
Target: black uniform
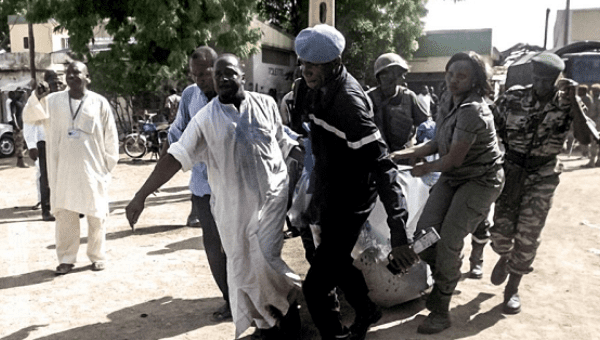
351	167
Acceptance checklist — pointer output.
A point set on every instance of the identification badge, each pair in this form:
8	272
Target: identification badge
73	134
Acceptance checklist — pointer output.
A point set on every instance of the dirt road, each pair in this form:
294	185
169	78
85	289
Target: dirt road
157	284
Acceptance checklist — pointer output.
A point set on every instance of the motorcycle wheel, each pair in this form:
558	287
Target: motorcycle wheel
135	146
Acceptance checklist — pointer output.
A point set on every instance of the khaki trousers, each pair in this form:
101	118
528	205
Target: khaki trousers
67	237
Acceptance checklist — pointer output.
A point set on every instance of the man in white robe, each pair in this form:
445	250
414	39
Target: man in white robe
239	136
82	149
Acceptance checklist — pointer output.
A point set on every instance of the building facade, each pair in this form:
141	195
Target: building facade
584	24
428	65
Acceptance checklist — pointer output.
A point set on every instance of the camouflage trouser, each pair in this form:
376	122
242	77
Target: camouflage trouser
516	231
19	143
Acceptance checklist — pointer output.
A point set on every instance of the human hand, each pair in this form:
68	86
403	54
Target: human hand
33	154
402	258
134	210
396	157
419	170
42	89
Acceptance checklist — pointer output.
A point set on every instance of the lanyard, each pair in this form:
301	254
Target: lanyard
78	108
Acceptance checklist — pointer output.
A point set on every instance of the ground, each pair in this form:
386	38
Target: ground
157	284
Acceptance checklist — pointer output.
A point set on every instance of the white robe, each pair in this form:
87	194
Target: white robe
244	152
80	153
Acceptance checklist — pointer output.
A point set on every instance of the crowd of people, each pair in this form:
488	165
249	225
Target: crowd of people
501	152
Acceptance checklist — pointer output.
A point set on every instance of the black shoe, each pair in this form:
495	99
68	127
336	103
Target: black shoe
476	271
64	268
291	233
344	335
48	217
512	304
435	323
290	325
222	314
193	222
362	322
266	334
500	272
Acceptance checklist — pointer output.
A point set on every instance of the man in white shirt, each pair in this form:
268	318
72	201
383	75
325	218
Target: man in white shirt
82	150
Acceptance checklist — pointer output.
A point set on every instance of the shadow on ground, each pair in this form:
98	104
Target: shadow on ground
126	233
28	279
152	320
28	214
153	200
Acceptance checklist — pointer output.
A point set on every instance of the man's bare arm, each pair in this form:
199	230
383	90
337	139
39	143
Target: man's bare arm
165	169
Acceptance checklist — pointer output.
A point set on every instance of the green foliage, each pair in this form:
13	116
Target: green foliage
371	28
152	38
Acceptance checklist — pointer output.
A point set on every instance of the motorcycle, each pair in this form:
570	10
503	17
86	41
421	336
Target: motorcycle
150	138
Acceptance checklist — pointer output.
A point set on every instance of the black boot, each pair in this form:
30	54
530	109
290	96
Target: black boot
476	260
500	271
512	302
363	320
439	318
290	324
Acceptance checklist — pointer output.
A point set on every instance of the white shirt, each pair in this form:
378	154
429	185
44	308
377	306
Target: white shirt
33	132
80	152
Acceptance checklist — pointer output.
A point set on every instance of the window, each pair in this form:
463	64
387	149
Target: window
26	43
64	42
277	57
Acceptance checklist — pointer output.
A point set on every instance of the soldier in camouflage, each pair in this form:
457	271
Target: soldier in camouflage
533	123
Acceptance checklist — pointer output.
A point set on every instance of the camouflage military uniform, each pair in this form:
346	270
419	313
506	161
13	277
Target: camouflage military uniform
533	136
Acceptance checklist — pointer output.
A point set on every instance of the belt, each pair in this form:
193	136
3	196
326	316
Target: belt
529	163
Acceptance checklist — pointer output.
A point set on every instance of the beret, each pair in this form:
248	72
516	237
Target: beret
320	44
547	65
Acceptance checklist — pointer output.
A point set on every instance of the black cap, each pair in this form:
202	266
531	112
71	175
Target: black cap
547	65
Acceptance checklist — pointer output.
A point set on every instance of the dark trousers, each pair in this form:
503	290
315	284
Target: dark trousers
212	242
332	267
44	187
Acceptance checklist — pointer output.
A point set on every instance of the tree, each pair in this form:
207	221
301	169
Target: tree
152	39
371	28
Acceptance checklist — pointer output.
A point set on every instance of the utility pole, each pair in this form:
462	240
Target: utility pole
546	29
321	12
31	41
31	52
567	22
